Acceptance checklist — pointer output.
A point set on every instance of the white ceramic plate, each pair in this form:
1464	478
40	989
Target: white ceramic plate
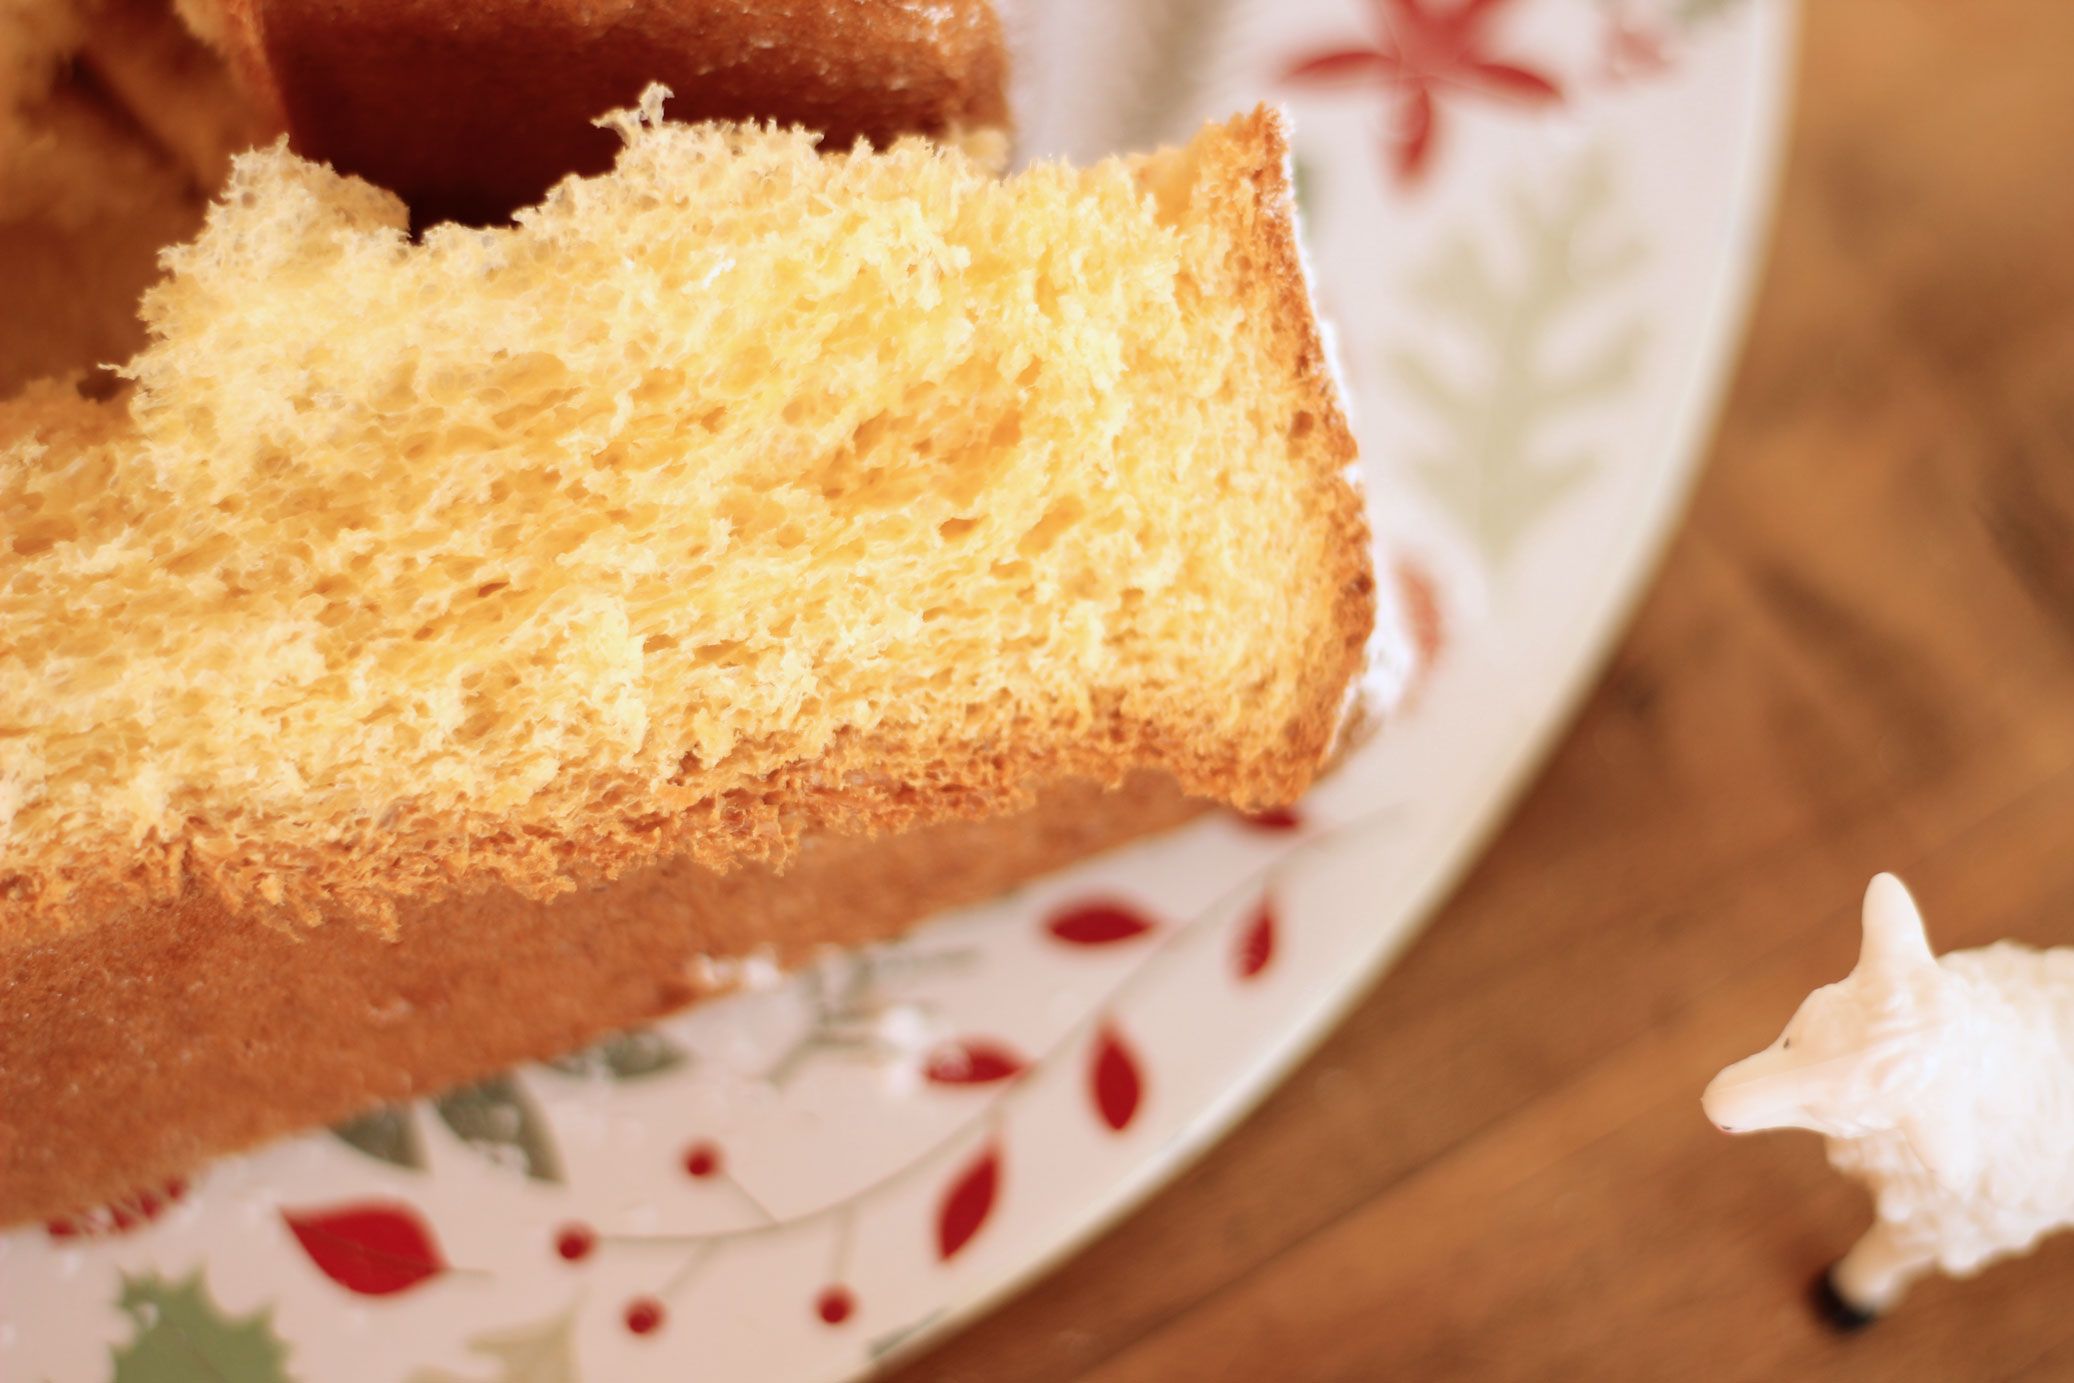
1535	223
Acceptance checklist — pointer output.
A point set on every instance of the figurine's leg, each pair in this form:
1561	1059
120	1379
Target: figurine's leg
1873	1275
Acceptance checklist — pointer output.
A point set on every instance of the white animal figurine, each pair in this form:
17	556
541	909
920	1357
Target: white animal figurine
1947	1086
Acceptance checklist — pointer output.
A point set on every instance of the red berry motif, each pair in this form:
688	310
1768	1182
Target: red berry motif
702	1160
644	1315
575	1242
835	1305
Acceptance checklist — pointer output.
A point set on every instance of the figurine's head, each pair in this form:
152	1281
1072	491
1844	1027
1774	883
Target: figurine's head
1859	1049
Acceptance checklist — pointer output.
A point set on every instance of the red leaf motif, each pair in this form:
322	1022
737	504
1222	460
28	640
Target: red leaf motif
1468	14
1257	942
1341	63
1275	819
375	1248
972	1061
1100	923
1414	134
1422	612
968	1202
119	1216
1633	50
1114	1081
1510	79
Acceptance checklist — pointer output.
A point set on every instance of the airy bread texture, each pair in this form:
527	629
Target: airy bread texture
737	492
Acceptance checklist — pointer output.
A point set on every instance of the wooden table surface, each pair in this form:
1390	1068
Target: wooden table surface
1859	655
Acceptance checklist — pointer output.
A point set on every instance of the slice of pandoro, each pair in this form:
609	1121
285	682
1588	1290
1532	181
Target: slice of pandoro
511	595
736	493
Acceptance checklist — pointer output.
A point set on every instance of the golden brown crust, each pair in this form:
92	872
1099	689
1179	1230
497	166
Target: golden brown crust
71	290
173	89
1344	603
100	167
130	1053
1326	444
869	786
471	111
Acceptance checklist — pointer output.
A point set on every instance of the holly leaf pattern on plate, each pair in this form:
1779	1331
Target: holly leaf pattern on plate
1256	948
374	1249
496	1119
1493	466
1114	1080
387	1134
973	1061
1099	922
968	1202
623	1056
542	1352
182	1336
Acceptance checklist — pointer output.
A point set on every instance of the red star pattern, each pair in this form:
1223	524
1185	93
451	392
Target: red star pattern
1427	51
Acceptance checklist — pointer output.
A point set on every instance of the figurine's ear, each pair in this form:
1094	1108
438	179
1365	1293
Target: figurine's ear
1894	938
1949	1148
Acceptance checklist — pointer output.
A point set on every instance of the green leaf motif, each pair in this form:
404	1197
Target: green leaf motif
1530	365
1697	11
544	1352
1304	187
388	1134
496	1119
183	1337
1163	51
623	1056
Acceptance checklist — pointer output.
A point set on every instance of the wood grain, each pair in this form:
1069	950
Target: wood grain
1860	655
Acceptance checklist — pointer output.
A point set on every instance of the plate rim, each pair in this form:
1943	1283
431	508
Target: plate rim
1748	115
1625	579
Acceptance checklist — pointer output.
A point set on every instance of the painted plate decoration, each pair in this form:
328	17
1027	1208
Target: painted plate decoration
1535	224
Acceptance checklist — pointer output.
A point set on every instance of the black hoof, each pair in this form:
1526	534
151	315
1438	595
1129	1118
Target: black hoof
1836	1312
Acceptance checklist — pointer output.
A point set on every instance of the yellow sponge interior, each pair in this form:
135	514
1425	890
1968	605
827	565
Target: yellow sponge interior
707	468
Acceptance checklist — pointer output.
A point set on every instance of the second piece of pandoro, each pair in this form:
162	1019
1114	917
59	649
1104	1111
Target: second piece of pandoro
469	112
